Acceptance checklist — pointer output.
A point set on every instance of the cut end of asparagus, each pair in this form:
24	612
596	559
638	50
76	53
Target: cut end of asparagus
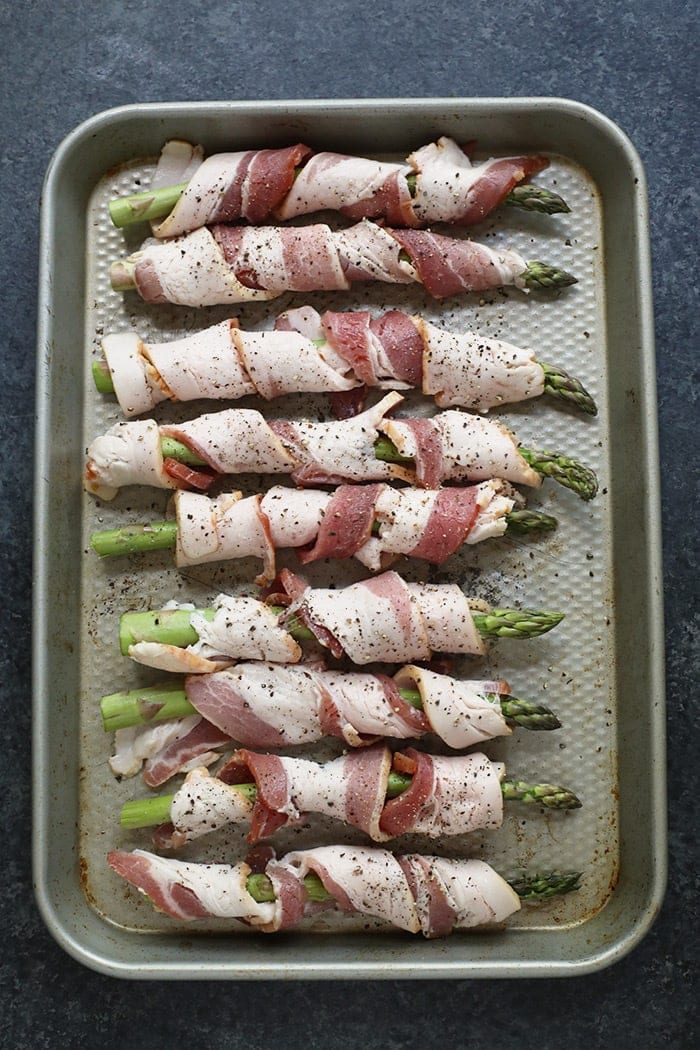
141	207
102	377
143	706
536	198
122	275
565	387
542	276
564	470
131	539
545	885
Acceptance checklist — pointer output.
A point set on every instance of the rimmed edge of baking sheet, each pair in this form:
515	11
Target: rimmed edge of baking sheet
637	895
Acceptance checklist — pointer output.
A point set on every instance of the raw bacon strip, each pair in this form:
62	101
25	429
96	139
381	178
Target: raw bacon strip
361	880
254	185
228	187
242	629
351	788
446	796
346	524
128	454
332	452
270	705
458	712
239	440
416	893
446	266
195	746
449	188
457	446
223	264
201	805
456	894
192	891
388	620
393	351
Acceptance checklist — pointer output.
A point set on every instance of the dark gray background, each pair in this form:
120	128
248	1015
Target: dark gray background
637	63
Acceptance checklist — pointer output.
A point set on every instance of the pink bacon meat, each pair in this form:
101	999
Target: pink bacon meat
413	892
450	446
394	350
447	795
274	706
234	264
256	185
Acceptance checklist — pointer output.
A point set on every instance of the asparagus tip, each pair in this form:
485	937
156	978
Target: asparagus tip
543	276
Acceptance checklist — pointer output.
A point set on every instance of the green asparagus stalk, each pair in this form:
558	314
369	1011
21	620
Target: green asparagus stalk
557	383
149	812
538	887
142	207
158	703
174	627
162	535
157	203
538	276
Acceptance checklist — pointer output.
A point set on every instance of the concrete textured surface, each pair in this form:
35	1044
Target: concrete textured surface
638	64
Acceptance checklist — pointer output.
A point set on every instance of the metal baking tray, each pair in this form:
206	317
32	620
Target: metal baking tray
602	669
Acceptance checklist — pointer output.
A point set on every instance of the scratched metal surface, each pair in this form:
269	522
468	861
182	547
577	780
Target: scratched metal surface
572	669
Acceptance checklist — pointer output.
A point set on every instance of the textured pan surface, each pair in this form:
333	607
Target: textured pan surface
599	670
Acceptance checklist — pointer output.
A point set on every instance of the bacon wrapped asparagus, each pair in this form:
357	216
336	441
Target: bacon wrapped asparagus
437	183
374	523
381	793
450	446
337	353
167	728
239	264
417	893
381	620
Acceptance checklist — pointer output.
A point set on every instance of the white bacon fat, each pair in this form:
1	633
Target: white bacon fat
225	363
416	893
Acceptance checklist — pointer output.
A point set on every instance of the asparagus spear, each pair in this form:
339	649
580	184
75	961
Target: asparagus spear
157	203
562	469
537	275
162	535
174	627
149	812
538	887
557	383
161	702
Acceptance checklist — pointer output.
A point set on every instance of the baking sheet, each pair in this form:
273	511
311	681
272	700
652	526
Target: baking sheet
576	669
